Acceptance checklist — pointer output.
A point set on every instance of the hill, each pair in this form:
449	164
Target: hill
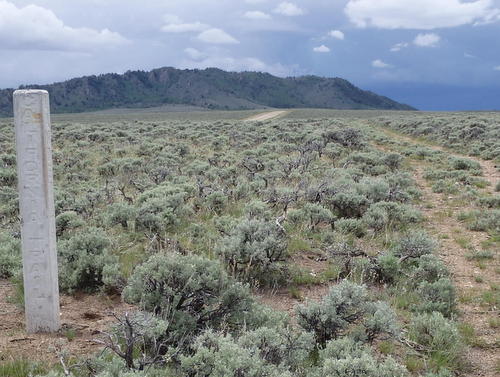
209	88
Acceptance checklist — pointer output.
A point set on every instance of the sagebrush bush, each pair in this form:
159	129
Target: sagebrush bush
85	262
68	221
351	226
216	201
255	251
193	293
438	335
163	207
381	319
488	220
257	209
489	201
10	256
216	354
281	346
349	204
346	304
464	164
414	245
438	296
429	269
388	267
445	186
346	358
120	214
390	215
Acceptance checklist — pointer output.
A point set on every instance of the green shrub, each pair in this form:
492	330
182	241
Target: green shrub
8	176
257	209
191	292
120	214
445	186
254	251
10	256
351	226
390	215
490	201
346	358
220	355
439	336
381	320
216	201
438	296
344	304
68	221
488	220
414	245
316	215
162	207
280	345
86	264
388	267
21	368
393	161
464	164
429	269
349	204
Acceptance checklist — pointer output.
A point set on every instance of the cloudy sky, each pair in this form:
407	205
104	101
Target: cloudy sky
432	54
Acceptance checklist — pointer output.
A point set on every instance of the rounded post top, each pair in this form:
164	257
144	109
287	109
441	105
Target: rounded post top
28	92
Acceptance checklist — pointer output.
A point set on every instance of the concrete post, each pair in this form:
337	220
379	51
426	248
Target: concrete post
36	202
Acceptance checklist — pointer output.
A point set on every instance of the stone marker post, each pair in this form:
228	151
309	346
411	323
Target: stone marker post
36	202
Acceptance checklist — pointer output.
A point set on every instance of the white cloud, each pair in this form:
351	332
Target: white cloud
380	64
217	36
421	14
337	34
469	56
244	64
255	1
184	27
497	68
399	46
321	48
194	53
288	9
37	28
427	40
256	15
172	19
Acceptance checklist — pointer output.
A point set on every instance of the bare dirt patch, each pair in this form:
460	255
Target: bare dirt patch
83	316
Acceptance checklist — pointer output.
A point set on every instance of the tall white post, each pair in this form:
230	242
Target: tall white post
36	202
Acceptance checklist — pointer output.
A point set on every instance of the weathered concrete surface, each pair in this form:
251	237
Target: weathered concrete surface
36	202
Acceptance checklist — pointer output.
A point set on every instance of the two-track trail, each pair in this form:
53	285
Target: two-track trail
266	116
472	280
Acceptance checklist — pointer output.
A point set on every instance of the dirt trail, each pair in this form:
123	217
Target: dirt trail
490	172
471	278
266	116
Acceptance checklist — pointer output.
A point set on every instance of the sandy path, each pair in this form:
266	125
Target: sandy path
266	116
471	278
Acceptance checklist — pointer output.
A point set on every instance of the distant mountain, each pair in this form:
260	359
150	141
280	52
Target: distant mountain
209	88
